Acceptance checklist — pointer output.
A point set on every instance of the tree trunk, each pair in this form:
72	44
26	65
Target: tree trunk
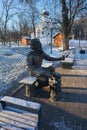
65	23
34	32
65	42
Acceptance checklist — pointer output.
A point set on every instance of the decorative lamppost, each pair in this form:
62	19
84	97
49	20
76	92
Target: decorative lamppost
79	37
52	27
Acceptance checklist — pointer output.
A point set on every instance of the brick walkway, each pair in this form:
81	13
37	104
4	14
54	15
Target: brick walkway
74	85
73	110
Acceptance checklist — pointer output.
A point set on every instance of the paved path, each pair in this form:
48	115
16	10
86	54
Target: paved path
74	86
71	114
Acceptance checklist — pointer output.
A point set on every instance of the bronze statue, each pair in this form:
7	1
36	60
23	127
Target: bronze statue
45	76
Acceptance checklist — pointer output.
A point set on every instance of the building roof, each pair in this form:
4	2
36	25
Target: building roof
56	34
26	37
45	13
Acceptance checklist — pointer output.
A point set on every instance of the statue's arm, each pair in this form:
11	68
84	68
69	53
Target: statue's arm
49	58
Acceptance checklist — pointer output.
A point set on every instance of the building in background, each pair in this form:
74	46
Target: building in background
58	40
43	29
25	40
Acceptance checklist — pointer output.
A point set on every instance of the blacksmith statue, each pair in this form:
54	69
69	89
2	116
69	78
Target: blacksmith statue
45	76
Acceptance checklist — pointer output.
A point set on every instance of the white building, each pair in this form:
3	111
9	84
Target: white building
43	29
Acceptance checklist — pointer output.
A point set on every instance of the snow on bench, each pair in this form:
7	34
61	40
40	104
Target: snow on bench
68	62
16	114
28	81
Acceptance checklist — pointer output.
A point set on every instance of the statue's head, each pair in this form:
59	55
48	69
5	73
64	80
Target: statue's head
36	45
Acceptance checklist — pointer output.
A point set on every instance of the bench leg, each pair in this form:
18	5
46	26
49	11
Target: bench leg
52	95
27	91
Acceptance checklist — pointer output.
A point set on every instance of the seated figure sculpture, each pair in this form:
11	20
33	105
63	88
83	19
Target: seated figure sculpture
45	76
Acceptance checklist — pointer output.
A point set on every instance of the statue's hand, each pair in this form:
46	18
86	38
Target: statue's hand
63	57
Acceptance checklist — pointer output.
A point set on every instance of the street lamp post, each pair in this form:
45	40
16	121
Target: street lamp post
52	27
79	37
51	41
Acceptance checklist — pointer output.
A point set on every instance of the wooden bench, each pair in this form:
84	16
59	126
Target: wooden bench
68	62
18	114
28	81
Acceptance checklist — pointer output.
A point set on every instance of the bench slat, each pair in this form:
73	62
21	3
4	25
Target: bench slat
5	126
33	115
18	119
27	117
15	123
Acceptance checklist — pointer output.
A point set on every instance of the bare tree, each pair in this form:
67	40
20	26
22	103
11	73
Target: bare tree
65	12
33	13
9	11
70	9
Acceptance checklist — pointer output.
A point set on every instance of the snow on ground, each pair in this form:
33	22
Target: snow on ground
12	65
12	61
80	59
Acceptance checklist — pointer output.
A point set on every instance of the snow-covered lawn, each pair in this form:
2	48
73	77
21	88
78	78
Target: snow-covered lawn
12	64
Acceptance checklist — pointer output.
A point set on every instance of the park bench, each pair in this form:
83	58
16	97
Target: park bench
18	114
27	82
69	60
